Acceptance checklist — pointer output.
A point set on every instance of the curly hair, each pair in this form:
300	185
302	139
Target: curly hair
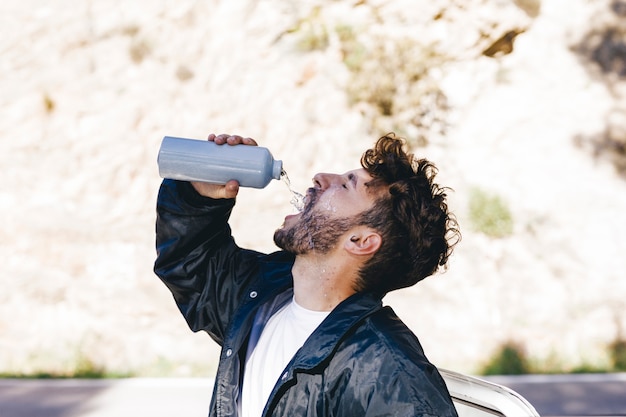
418	232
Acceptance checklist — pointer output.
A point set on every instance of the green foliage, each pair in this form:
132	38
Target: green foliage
393	78
509	359
313	38
617	351
353	52
312	32
489	214
82	367
585	368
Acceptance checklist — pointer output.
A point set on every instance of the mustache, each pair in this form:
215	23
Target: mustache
312	195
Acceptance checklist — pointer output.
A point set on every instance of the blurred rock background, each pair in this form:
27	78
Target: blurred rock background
519	103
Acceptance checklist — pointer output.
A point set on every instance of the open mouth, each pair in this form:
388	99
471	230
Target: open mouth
303	203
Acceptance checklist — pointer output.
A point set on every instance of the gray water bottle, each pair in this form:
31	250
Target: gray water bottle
203	160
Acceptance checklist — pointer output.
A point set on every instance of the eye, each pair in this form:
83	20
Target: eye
351	180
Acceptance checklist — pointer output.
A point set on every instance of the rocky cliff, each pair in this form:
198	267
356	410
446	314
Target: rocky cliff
510	98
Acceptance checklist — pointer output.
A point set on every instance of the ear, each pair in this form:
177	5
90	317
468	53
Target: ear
363	242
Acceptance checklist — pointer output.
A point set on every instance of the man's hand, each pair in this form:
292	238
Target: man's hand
231	188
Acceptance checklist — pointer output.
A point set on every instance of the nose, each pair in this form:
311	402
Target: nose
324	181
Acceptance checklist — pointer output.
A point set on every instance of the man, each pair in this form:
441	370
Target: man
303	330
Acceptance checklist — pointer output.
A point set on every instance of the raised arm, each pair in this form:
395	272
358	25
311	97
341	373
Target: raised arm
197	257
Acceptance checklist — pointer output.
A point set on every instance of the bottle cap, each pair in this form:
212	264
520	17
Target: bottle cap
277	169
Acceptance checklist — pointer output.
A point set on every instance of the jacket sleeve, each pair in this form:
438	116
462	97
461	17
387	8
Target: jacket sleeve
197	257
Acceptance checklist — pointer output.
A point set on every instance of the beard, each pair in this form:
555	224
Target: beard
313	231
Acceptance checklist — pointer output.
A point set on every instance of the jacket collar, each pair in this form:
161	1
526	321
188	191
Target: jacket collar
324	340
276	280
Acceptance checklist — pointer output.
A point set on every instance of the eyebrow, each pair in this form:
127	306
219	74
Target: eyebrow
373	185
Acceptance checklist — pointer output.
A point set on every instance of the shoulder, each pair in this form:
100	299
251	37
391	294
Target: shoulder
382	340
385	333
388	329
386	357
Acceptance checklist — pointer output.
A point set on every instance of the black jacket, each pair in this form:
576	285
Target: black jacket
361	361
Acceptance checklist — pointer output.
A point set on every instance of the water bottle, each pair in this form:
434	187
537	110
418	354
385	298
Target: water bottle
203	160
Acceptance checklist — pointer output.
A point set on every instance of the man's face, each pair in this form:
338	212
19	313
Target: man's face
331	209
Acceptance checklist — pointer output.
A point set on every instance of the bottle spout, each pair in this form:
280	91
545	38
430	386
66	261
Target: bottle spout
277	169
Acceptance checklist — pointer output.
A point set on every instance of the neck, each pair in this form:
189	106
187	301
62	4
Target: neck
320	283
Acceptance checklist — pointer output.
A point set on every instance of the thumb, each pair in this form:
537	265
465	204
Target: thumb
231	189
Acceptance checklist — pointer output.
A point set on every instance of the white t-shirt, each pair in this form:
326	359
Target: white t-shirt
285	333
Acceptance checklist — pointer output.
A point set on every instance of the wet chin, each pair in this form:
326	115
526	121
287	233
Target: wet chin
287	241
317	233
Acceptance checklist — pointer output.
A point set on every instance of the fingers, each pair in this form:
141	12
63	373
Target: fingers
216	191
231	139
231	188
249	141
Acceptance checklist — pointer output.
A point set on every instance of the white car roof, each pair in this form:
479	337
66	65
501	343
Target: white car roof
474	397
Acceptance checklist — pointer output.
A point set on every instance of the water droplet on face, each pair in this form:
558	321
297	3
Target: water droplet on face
328	205
297	199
